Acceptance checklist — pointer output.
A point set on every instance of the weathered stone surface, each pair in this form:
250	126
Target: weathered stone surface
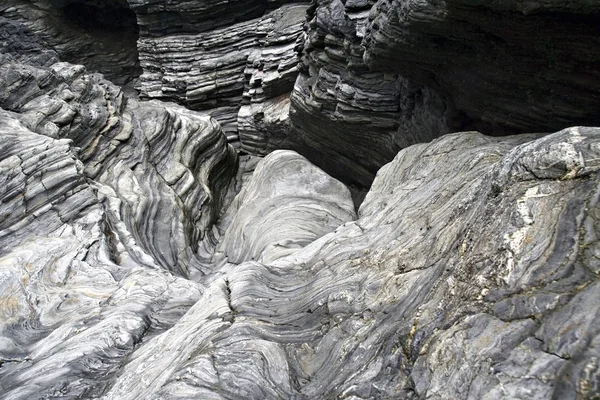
101	35
140	258
345	118
400	303
71	309
510	66
166	169
288	204
243	63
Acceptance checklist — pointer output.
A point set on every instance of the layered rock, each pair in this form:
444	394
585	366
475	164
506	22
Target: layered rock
288	204
212	64
72	309
470	271
509	66
101	35
345	118
490	292
166	169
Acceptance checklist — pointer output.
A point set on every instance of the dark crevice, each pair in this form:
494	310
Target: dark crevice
108	34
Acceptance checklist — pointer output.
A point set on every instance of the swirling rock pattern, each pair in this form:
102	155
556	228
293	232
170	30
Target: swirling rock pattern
101	35
141	258
166	169
288	204
486	294
71	312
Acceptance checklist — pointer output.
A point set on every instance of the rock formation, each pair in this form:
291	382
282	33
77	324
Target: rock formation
381	75
345	118
101	35
142	258
191	61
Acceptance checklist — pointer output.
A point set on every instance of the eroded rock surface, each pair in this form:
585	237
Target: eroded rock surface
141	258
101	35
346	118
219	64
511	66
476	279
165	169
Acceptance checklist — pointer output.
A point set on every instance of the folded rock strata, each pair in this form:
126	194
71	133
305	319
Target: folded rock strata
140	257
491	292
378	76
477	278
509	66
166	169
71	312
346	118
288	204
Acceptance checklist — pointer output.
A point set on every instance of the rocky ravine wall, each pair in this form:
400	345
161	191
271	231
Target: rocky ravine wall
378	76
140	257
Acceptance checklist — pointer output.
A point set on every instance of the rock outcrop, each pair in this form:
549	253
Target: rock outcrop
346	118
101	35
381	75
218	61
490	293
165	169
141	257
510	66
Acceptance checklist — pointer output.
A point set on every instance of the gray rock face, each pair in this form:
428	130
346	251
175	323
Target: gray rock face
494	60
142	258
101	35
222	66
165	169
345	118
470	271
290	194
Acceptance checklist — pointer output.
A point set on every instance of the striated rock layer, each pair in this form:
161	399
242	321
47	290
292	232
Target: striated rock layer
509	66
101	35
346	118
140	258
164	169
470	270
221	64
491	292
378	76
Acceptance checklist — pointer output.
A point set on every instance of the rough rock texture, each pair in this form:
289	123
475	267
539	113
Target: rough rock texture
491	293
211	63
471	271
141	258
381	75
101	35
513	66
345	118
165	169
289	193
71	308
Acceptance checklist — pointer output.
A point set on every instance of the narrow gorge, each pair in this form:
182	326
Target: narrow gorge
275	199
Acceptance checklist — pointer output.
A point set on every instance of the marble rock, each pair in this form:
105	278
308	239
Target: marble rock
288	204
476	279
101	35
71	309
165	169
